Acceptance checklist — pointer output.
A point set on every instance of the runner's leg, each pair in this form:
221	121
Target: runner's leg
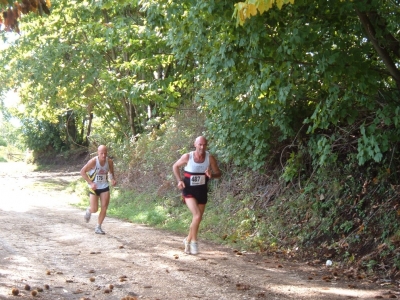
94	203
105	200
197	211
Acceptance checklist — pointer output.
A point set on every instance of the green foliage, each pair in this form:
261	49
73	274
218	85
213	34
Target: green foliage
293	167
299	73
371	264
121	74
10	134
263	82
3	154
42	136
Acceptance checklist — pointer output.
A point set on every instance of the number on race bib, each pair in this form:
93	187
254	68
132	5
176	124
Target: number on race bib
100	178
197	180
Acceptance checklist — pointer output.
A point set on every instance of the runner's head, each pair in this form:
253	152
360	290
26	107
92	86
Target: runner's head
201	144
102	153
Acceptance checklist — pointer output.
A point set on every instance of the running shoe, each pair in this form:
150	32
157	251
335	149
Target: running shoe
98	230
194	248
187	246
87	215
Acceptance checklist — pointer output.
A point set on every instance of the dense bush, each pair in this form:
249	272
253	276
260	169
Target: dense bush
2	142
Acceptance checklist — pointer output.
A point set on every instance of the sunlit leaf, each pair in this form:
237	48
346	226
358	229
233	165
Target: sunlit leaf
252	9
261	7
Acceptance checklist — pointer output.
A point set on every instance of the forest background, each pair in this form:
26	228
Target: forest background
299	101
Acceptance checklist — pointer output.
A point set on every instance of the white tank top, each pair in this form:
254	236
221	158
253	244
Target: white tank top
99	174
195	172
194	167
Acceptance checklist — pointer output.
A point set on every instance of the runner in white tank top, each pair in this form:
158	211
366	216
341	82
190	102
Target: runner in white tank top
200	167
195	177
99	175
97	172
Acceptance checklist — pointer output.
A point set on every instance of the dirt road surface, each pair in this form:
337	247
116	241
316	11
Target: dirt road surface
45	244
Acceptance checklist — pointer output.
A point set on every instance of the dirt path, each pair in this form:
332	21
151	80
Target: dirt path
45	242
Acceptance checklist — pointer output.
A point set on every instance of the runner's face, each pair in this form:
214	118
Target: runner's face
102	153
201	146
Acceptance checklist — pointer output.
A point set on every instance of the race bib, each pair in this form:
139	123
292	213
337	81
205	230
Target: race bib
101	178
197	180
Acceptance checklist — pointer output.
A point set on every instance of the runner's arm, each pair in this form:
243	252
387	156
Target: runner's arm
215	171
176	169
86	168
111	172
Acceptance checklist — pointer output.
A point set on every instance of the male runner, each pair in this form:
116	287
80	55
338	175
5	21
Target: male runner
97	172
200	166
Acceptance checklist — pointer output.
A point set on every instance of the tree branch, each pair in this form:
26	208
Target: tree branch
381	50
